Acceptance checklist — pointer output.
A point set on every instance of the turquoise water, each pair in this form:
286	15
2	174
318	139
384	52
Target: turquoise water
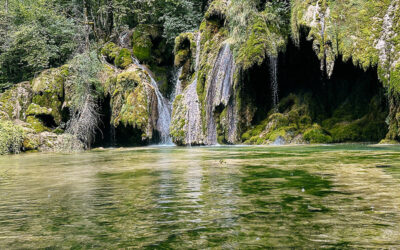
341	196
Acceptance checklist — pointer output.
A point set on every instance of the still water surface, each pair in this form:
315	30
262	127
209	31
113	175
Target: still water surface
209	197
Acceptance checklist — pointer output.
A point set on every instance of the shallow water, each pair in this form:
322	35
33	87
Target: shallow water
211	197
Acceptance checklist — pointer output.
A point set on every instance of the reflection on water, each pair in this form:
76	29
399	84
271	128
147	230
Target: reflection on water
221	197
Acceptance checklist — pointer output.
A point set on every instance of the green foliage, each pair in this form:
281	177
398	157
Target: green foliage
179	16
37	38
11	137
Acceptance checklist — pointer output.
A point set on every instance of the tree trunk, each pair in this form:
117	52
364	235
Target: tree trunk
6	6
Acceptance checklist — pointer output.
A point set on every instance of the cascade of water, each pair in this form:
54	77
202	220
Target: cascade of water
273	66
163	108
178	85
219	89
193	102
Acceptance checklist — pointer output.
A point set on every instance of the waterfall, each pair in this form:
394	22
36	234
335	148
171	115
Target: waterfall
219	89
273	66
192	101
178	85
163	107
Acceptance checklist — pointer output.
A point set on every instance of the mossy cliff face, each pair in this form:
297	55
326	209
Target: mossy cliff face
367	32
185	53
35	115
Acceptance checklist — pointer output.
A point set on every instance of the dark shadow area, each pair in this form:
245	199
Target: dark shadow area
47	120
121	136
349	85
352	98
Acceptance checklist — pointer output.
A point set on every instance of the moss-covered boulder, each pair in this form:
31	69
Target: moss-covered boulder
123	59
120	57
48	92
133	101
316	134
285	127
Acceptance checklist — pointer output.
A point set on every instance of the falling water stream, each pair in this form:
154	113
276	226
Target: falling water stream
219	89
194	110
273	61
163	107
178	85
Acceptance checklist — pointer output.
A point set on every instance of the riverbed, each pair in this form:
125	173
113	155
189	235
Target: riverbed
229	197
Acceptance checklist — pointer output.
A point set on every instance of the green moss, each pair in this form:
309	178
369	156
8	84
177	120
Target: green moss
141	43
181	57
128	80
123	59
48	91
217	10
131	94
30	143
11	137
35	109
36	124
389	142
316	134
178	122
110	51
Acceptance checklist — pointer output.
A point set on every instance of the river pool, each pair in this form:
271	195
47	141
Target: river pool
228	197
